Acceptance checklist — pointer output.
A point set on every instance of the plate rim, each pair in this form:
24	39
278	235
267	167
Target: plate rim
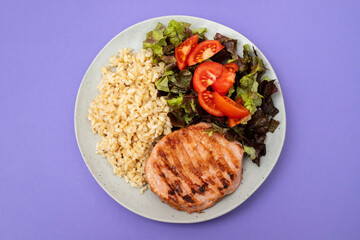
221	213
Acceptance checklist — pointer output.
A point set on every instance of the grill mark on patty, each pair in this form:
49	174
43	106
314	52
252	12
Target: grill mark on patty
230	155
203	143
165	161
217	161
222	164
180	164
222	160
160	172
198	150
190	165
187	198
175	187
201	189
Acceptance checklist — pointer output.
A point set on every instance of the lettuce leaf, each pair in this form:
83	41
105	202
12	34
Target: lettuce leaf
175	102
163	41
163	84
201	33
251	100
183	79
176	32
248	87
250	151
183	108
156	40
231	91
176	83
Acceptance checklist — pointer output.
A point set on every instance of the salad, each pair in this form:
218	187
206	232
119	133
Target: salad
205	80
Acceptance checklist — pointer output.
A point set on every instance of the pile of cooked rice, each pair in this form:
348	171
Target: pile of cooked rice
128	115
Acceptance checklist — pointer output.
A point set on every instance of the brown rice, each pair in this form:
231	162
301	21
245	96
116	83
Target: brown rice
128	115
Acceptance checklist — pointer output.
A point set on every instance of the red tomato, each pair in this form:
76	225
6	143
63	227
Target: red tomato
206	74
206	100
226	80
183	50
230	108
233	66
239	101
203	51
234	121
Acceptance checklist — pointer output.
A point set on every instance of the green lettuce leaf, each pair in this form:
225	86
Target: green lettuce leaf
201	32
183	108
249	84
246	51
156	40
231	91
250	151
163	84
176	83
175	102
251	100
176	31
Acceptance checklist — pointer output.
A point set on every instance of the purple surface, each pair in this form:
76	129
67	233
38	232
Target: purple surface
46	191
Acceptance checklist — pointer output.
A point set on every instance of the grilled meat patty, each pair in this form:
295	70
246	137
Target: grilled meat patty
191	171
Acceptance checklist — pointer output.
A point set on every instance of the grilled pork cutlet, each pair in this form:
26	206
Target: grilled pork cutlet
191	170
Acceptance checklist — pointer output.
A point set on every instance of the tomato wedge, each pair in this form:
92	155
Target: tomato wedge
203	51
235	121
183	50
230	108
226	80
239	100
233	66
206	74
206	100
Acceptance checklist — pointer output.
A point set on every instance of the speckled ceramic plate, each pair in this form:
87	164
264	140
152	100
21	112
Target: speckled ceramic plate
148	205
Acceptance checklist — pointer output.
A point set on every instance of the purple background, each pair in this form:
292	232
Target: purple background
46	190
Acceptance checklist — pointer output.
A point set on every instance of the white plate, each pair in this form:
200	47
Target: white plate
148	205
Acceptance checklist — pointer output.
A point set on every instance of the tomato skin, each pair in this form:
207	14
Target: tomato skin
234	121
206	100
223	84
239	100
233	66
183	50
206	74
203	51
230	108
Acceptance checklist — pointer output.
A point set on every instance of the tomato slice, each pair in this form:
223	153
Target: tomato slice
203	51
239	100
206	74
226	80
206	100
183	50
233	66
235	121
230	108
